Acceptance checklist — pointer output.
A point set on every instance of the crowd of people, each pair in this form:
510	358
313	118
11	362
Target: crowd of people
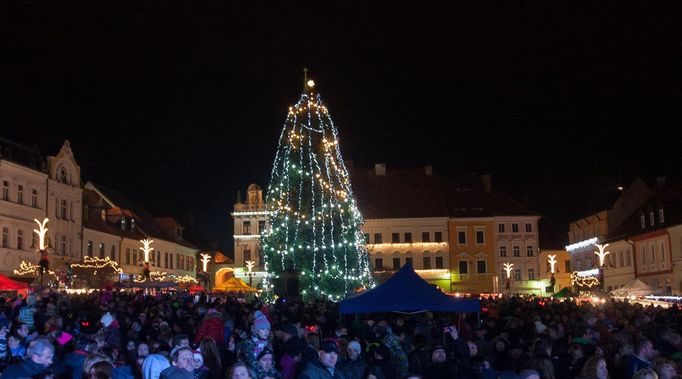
127	335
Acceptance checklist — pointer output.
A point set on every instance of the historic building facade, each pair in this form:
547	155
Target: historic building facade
250	220
35	188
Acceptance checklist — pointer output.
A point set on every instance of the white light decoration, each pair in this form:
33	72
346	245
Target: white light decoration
552	263
41	232
585	278
601	253
575	246
249	265
205	258
310	83
146	248
508	269
32	269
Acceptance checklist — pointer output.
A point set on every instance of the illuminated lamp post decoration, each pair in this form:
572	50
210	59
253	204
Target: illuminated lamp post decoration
147	249
249	271
508	269
602	255
552	269
205	258
44	263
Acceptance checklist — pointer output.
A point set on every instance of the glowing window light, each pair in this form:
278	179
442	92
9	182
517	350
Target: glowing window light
41	232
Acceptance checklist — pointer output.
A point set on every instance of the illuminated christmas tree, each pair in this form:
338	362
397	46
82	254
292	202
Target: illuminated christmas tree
315	226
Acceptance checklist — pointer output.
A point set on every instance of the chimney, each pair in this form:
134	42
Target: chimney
380	169
428	169
487	183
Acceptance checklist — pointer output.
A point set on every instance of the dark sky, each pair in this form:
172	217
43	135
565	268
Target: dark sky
180	105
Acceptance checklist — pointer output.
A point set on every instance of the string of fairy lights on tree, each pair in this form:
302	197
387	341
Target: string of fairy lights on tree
315	223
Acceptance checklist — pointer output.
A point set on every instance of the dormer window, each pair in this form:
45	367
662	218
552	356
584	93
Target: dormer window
132	224
661	216
123	223
178	232
651	218
642	221
62	175
102	215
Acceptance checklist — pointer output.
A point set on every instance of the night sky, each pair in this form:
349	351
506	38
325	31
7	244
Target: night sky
180	105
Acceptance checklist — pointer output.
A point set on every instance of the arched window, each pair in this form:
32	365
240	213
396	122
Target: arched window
62	175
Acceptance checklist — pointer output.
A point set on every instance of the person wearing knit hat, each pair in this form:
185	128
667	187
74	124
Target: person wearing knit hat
353	367
259	341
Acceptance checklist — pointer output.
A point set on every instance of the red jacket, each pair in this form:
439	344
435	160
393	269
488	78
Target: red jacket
212	327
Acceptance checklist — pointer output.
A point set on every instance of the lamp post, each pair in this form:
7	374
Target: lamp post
205	258
602	255
146	249
249	271
44	263
508	269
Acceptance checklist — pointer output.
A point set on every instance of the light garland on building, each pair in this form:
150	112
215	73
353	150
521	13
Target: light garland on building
585	278
315	222
32	269
154	276
183	279
580	244
97	263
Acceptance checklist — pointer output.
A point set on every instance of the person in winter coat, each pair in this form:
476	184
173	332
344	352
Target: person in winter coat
353	367
211	327
38	360
110	331
259	341
325	366
153	365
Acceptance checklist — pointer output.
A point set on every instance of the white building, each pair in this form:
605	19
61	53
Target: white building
33	188
250	220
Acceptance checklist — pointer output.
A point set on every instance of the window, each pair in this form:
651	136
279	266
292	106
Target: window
620	259
651	218
20	239
395	237
531	274
165	259
63	177
178	232
500	228
135	261
182	262
123	223
63	245
481	267
5	236
427	263
661	216
101	250
102	215
643	250
63	213
261	227
439	263
408	237
127	256
627	258
529	251
662	252
366	238
246	256
396	263
408	260
20	194
529	228
246	227
90	248
438	236
463	267
377	238
480	237
515	228
170	260
378	264
56	207
517	274
516	251
177	262
426	237
113	253
461	237
34	240
567	265
5	190
642	221
132	224
503	251
34	198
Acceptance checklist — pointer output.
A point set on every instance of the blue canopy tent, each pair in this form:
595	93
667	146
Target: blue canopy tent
405	291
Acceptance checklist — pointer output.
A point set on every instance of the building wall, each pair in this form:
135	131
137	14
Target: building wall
250	218
517	245
652	259
562	276
675	233
168	257
472	258
423	241
100	244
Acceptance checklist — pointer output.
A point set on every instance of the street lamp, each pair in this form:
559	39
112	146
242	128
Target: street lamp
147	249
205	258
44	262
249	271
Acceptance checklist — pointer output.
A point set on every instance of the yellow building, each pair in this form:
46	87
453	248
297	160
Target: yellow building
472	252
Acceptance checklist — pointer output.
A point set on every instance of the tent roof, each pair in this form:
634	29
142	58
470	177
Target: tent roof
9	284
405	291
635	287
234	285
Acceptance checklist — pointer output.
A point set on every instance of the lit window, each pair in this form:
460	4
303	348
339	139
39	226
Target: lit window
642	221
246	227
